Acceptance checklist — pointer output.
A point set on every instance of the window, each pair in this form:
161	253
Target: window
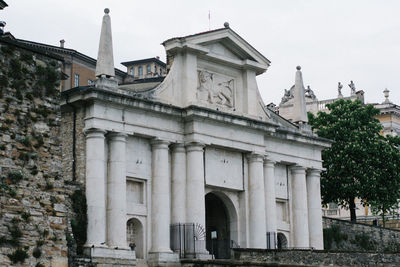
140	71
133	71
76	80
148	69
89	82
155	69
160	71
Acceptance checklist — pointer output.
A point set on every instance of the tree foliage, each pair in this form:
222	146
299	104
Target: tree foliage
361	163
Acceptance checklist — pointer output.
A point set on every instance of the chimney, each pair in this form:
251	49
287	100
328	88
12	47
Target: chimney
62	41
157	57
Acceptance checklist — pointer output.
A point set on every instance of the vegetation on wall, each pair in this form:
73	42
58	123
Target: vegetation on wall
18	256
33	203
79	222
365	242
333	235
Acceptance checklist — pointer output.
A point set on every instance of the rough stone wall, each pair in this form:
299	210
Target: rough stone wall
34	196
251	257
345	235
392	223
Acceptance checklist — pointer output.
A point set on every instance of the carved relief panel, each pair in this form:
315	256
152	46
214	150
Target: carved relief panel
215	89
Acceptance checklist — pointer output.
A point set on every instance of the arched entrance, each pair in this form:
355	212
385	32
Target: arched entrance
218	227
134	236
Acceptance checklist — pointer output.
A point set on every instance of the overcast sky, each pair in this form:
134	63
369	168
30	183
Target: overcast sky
333	41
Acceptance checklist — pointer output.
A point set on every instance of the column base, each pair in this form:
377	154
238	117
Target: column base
163	259
105	252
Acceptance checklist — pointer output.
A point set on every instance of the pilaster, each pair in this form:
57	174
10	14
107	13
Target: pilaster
178	184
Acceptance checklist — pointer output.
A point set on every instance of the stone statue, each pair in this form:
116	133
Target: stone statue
339	88
310	93
352	87
287	96
215	92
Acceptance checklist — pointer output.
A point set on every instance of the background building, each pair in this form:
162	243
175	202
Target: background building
144	68
389	116
79	68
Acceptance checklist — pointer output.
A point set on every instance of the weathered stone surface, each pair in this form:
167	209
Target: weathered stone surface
37	203
250	257
361	237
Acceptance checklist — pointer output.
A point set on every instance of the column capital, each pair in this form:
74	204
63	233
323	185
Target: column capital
269	162
255	157
194	146
314	172
94	133
178	147
298	169
117	136
159	143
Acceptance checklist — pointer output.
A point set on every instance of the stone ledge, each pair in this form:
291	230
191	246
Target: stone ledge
206	263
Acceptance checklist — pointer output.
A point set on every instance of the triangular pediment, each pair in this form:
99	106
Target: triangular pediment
217	70
223	42
226	47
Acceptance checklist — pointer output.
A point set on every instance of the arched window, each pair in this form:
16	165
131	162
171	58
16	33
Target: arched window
148	69
133	71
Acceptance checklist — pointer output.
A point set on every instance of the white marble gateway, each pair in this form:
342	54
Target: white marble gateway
197	164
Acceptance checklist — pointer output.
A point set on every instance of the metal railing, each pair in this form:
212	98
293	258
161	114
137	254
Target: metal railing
187	239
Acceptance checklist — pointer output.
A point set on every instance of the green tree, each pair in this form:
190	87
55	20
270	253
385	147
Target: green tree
385	190
361	163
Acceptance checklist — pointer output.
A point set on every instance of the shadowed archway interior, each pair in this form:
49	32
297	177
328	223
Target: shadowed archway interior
217	227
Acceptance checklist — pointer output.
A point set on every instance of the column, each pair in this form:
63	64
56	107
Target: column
256	202
299	207
160	204
178	184
95	187
270	203
116	191
314	209
195	199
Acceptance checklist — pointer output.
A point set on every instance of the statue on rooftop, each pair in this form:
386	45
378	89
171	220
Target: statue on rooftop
352	87
287	95
310	93
339	88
